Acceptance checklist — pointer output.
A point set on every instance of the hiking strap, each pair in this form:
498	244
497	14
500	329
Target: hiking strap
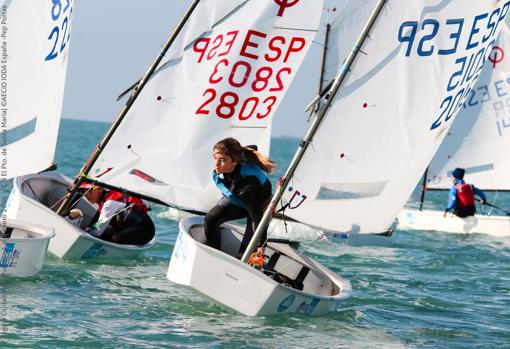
8	233
301	277
296	283
271	263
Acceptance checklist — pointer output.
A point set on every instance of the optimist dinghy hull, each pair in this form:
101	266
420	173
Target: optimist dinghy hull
34	199
229	282
23	253
410	219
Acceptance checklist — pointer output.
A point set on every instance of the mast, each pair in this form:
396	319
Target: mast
106	138
303	145
423	187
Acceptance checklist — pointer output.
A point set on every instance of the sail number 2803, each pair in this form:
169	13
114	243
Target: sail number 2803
240	75
229	101
246	79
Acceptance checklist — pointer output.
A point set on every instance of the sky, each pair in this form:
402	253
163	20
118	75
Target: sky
113	43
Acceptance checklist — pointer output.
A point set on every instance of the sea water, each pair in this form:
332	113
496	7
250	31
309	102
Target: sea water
428	290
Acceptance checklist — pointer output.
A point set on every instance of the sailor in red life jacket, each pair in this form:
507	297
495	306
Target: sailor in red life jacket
462	196
121	219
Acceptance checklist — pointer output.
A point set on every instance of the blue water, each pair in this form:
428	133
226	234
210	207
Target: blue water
429	290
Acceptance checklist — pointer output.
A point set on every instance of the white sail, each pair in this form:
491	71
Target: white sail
227	80
34	41
393	110
479	139
344	31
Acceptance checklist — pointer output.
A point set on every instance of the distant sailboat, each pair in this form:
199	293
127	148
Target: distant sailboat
362	156
34	41
478	141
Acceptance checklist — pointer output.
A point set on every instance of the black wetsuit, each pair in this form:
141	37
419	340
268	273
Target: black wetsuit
254	196
139	234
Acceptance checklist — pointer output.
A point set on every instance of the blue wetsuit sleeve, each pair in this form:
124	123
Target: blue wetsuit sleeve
480	193
452	198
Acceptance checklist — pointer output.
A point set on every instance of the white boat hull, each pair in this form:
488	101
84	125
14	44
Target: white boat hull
434	220
29	200
23	253
242	288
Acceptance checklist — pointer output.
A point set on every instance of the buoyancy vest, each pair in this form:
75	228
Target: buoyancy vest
465	195
118	196
245	170
133	215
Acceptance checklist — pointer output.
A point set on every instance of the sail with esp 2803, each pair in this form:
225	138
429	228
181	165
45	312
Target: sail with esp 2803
225	77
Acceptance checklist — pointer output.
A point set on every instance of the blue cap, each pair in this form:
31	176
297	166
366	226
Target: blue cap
458	173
